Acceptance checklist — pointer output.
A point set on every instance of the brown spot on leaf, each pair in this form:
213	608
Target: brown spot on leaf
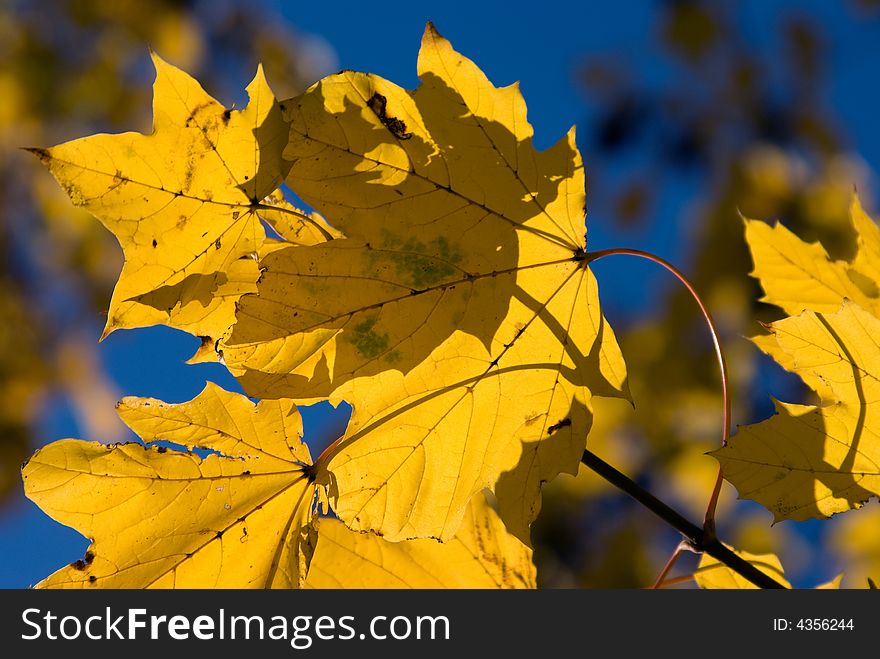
195	111
84	562
188	174
396	127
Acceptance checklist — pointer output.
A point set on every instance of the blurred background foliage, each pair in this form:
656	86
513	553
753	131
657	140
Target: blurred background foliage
734	128
748	128
71	69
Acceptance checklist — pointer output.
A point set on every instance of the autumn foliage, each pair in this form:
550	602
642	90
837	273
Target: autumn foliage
440	284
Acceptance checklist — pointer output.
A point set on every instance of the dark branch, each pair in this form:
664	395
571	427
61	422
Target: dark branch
693	533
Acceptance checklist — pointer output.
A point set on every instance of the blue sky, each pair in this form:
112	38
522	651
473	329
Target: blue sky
539	44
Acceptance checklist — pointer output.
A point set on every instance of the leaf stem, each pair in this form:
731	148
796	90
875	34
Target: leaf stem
694	535
674	581
709	518
661	578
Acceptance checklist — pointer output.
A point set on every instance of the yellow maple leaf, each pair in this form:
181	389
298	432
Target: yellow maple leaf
713	574
158	518
457	317
182	201
814	461
481	555
796	275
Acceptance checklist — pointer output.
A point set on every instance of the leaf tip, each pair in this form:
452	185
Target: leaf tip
109	328
624	392
42	154
259	83
432	36
156	58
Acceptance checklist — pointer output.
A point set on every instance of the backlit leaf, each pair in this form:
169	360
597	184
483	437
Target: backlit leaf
814	461
181	201
809	461
161	518
481	555
712	574
796	275
293	225
457	316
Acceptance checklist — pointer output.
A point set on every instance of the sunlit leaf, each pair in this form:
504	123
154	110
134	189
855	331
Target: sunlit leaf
481	555
809	461
295	226
814	461
162	518
712	574
181	201
457	317
796	275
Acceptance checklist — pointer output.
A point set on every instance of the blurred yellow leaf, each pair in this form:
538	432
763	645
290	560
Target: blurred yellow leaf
179	36
23	374
834	584
481	555
855	540
91	393
691	476
457	316
161	518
